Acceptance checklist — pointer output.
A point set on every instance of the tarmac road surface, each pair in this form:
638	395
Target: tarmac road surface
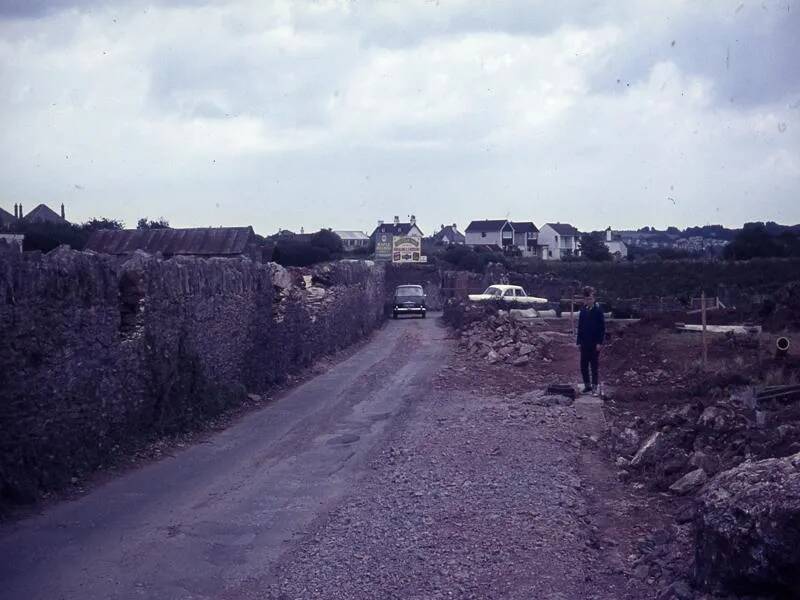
385	477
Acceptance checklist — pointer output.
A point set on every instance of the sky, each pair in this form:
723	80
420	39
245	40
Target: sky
290	114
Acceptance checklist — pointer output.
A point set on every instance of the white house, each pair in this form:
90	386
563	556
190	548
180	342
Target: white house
615	245
494	234
501	234
558	240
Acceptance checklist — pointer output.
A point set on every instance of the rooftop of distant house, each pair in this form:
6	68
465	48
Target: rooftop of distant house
524	227
563	229
347	234
396	227
451	232
486	225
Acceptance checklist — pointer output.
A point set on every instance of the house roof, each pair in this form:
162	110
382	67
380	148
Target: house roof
395	228
524	227
452	234
351	235
43	214
201	241
485	226
563	229
6	218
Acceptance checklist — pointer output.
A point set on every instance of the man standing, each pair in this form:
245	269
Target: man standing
591	333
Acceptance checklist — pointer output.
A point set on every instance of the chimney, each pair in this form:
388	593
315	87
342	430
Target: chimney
20	210
454	227
16	215
396	220
380	222
62	211
302	230
608	234
413	220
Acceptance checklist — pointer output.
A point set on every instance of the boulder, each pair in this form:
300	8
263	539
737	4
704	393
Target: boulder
281	278
710	463
628	441
747	530
492	357
525	349
648	452
715	418
689	482
521	361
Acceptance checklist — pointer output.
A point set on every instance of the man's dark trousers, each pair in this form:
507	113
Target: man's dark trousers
590	357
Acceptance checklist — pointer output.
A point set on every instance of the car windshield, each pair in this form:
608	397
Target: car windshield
409	290
493	291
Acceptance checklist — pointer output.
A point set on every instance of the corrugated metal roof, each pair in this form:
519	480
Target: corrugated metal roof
202	241
351	235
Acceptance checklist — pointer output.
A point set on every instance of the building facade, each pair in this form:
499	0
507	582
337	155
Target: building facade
558	241
385	233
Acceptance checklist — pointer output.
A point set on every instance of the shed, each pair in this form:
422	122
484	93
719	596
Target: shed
202	241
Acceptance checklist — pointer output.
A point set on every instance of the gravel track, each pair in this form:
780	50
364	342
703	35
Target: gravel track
469	497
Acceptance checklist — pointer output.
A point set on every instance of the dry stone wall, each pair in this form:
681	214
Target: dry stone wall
97	354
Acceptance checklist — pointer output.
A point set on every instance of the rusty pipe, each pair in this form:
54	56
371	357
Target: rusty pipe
782	346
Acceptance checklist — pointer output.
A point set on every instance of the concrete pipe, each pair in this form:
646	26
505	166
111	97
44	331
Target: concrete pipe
782	346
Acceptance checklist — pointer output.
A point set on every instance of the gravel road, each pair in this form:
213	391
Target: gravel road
381	478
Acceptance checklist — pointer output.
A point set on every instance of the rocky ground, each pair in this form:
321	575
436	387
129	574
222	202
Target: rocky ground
479	494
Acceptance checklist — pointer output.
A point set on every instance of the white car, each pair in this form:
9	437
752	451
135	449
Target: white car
507	293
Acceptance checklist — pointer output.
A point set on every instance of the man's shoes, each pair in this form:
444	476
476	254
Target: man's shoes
594	391
587	389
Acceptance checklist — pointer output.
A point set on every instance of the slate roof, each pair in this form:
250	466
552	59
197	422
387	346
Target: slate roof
43	214
564	229
453	234
6	218
395	229
485	226
524	227
201	241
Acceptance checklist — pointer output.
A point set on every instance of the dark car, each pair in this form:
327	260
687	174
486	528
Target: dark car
409	300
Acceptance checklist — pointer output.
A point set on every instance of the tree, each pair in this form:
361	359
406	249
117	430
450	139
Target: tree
325	238
102	223
755	241
594	248
144	223
49	236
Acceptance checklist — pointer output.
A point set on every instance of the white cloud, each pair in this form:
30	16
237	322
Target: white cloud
289	114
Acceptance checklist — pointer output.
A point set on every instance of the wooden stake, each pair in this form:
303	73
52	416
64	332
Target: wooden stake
572	311
705	343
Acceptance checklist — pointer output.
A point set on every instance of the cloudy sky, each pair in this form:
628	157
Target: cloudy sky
339	113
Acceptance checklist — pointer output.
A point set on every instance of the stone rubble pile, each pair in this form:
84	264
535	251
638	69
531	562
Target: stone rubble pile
504	339
733	461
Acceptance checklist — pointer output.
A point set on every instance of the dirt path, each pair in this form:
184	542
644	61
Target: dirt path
387	477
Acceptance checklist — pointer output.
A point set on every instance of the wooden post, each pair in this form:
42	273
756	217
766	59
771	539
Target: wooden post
572	311
705	342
